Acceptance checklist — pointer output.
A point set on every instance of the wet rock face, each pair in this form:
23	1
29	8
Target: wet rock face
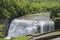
57	24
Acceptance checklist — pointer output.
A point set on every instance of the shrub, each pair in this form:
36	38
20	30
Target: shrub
1	30
16	8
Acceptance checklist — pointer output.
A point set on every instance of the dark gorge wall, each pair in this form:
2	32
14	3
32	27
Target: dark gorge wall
57	23
4	21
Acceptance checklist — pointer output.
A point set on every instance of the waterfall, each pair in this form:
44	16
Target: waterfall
30	24
26	27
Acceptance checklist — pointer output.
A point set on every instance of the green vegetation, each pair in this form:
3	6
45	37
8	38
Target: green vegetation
21	38
16	8
1	26
1	29
17	38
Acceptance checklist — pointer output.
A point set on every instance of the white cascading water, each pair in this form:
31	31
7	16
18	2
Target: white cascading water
19	27
26	27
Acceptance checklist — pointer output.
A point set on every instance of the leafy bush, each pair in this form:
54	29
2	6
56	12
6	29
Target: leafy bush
1	30
16	8
1	26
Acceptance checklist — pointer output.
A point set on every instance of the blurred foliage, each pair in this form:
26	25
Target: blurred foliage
2	25
16	8
1	30
57	19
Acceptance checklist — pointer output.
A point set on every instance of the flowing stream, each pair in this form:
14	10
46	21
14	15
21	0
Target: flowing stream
25	26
